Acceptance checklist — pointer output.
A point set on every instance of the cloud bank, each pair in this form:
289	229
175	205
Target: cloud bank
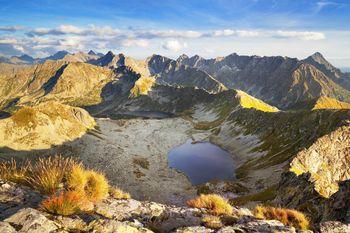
35	41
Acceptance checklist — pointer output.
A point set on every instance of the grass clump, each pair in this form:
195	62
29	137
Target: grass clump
96	187
46	175
286	216
13	172
92	184
214	203
78	188
66	203
77	179
118	193
212	222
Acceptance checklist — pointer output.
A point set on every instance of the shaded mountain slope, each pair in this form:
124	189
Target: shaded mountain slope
76	83
280	81
164	70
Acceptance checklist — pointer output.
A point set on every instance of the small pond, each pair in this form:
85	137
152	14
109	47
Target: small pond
202	162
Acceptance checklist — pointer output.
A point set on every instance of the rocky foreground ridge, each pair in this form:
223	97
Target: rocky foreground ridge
19	212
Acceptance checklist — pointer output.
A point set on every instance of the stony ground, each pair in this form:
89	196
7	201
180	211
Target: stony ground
19	212
133	155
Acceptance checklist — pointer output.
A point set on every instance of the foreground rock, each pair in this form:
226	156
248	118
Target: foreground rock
112	215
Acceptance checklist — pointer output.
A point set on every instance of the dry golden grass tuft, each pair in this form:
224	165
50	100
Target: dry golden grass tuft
77	179
118	193
66	203
97	186
13	172
286	216
46	175
213	222
214	203
79	188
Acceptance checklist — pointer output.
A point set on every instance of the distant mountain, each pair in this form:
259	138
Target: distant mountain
345	70
29	60
23	59
92	52
57	56
4	59
168	71
81	57
76	83
165	70
280	81
109	60
323	65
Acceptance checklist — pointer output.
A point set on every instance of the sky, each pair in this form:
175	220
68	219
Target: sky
209	28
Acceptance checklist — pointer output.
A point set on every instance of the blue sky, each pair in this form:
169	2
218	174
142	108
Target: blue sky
210	28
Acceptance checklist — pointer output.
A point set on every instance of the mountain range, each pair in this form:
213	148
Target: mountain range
280	81
284	121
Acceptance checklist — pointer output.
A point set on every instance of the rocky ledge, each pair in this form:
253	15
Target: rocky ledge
20	212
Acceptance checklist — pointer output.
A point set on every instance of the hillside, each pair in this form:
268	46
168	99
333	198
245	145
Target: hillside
76	83
42	126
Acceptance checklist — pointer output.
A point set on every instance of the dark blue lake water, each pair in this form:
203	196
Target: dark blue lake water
202	162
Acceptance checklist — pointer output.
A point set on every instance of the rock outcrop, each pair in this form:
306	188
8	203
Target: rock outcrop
117	216
327	160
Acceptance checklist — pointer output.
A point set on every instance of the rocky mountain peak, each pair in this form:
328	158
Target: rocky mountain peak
59	55
26	57
109	53
318	60
91	52
318	57
182	58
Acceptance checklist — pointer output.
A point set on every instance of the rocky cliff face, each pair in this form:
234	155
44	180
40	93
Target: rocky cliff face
327	161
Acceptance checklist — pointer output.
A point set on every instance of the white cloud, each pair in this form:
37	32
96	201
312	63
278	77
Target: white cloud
247	33
302	35
71	29
146	41
8	41
11	28
151	34
225	32
174	45
322	4
135	42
